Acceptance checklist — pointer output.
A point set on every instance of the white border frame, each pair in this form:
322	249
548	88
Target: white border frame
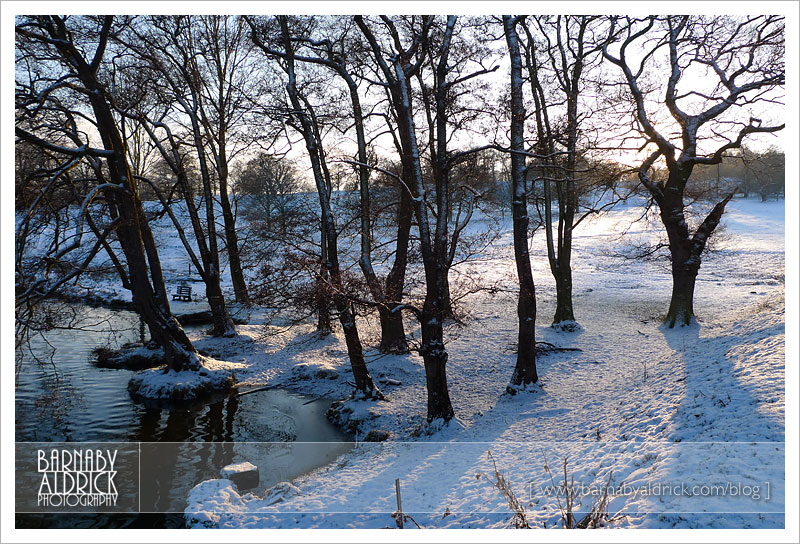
8	9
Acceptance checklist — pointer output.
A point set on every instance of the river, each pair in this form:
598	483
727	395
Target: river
65	398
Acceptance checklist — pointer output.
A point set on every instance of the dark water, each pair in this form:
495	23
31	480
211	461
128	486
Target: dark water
70	400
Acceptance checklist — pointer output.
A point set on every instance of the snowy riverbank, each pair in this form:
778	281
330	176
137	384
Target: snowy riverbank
632	385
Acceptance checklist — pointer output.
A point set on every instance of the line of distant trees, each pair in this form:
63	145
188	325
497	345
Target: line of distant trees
761	173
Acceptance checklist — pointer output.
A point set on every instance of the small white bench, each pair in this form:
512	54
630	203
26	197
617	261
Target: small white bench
184	293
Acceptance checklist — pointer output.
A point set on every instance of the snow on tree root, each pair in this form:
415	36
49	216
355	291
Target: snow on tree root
212	377
430	428
566	326
531	388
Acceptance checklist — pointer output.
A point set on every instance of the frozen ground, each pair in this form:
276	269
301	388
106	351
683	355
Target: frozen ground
696	406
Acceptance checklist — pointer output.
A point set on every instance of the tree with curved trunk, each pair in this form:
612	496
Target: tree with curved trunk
54	37
744	55
303	119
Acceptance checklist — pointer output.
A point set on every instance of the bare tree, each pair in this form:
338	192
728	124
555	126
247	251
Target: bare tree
763	172
397	67
336	52
565	46
454	57
525	368
227	83
75	65
745	55
303	118
269	183
167	52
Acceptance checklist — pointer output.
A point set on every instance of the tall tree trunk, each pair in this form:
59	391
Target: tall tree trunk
568	207
441	170
149	299
433	351
564	313
685	249
229	221
232	240
223	325
559	248
525	368
221	319
393	334
562	273
434	354
220	49
324	326
684	266
222	322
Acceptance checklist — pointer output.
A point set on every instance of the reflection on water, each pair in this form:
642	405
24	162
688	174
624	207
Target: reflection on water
73	401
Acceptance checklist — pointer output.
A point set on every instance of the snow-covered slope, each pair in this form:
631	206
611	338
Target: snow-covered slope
695	406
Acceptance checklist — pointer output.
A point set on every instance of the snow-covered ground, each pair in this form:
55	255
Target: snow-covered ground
639	404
